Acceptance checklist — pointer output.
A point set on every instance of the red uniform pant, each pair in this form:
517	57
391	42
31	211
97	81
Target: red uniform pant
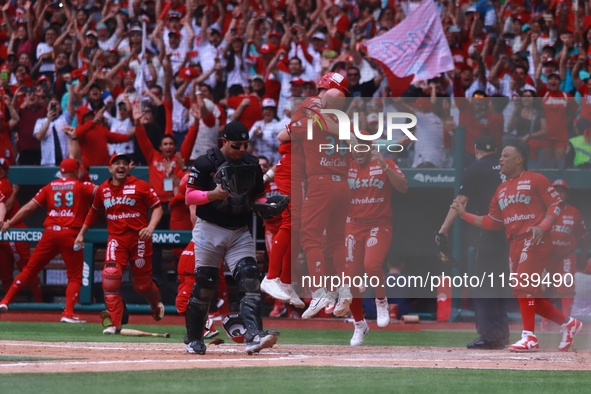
324	213
122	249
528	261
18	253
52	243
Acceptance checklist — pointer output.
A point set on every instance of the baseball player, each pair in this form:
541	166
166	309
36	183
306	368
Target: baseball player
527	205
566	232
327	194
221	233
13	252
479	184
68	201
126	201
369	231
277	283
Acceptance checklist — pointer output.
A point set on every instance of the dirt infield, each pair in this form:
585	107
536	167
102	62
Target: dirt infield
95	357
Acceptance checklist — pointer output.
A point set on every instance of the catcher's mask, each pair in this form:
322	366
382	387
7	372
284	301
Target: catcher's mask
238	180
234	327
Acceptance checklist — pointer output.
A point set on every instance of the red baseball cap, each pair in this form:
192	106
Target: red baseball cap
267	48
275	33
68	165
560	182
188	73
423	103
298	81
4	163
177	33
129	73
116	156
43	78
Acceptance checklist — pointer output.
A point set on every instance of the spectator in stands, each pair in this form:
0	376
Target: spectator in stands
50	132
263	133
29	147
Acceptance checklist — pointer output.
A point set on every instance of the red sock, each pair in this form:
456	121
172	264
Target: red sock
547	310
357	309
17	285
72	294
281	243
528	313
567	306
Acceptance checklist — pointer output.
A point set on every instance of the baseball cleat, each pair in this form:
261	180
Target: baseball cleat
295	299
345	299
158	312
72	319
209	332
383	312
569	331
263	340
361	330
196	347
279	309
111	330
274	289
320	299
527	343
216	316
3	308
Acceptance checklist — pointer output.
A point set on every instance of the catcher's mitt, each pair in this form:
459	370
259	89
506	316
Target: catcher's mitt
273	207
444	251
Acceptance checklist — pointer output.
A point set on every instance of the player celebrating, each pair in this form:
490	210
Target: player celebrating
369	230
221	233
528	206
568	229
68	202
126	201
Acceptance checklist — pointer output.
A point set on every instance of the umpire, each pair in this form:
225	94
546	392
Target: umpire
224	183
479	183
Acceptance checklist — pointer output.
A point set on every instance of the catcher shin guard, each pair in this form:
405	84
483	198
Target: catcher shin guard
206	280
246	274
113	300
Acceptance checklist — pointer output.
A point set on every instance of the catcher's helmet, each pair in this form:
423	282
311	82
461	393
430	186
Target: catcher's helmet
234	327
334	80
183	184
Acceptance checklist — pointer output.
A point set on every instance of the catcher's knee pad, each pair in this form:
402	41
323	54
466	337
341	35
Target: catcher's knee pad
206	282
247	276
143	284
112	277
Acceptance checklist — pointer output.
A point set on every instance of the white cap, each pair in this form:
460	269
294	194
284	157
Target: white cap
372	117
269	102
319	35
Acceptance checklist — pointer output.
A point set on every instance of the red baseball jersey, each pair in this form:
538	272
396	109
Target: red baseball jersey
556	106
569	228
371	190
67	201
6	190
522	202
324	154
126	206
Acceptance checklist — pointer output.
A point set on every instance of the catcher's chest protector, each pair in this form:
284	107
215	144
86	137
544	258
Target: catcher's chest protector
239	178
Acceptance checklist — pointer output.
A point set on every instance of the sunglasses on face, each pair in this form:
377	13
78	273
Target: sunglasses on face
238	146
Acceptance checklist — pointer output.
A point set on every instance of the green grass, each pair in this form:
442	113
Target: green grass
301	379
20	358
59	332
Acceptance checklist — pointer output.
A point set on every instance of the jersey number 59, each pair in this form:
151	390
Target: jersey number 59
69	196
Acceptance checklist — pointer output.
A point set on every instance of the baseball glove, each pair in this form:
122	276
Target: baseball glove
273	207
444	251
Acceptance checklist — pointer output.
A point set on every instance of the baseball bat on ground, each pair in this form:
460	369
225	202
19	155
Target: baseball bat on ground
137	333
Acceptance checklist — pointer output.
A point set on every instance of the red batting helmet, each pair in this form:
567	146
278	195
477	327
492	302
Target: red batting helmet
560	182
234	327
334	80
183	184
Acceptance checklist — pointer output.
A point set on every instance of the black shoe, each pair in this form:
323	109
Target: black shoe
263	340
196	347
484	344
